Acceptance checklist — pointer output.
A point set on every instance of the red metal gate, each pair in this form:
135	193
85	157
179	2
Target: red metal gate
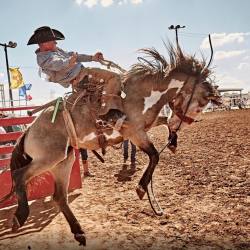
42	185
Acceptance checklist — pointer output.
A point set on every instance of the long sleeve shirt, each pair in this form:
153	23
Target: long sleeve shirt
55	64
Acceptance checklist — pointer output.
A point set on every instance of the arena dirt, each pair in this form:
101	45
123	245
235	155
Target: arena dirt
204	190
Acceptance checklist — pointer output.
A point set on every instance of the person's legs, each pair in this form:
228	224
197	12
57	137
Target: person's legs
133	153
84	155
125	151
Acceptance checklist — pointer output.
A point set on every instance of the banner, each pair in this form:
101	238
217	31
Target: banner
16	78
24	88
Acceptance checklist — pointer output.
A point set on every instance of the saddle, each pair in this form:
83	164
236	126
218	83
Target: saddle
106	107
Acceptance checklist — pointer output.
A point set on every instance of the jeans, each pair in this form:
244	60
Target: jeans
84	154
125	151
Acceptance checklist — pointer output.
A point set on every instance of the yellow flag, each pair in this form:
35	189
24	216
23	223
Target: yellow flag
16	78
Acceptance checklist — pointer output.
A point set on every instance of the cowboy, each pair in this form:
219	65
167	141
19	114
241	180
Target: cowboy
66	69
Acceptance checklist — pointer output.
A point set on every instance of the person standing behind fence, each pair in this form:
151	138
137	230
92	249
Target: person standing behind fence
125	152
85	163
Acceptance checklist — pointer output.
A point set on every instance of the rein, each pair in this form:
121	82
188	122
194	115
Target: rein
110	64
183	118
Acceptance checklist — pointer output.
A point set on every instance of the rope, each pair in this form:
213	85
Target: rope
160	211
110	64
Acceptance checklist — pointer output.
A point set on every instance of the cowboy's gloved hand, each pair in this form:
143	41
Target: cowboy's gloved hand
97	57
73	59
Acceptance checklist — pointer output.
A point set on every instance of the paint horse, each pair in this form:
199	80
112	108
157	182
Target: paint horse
148	86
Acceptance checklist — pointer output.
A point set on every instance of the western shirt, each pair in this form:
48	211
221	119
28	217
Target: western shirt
55	65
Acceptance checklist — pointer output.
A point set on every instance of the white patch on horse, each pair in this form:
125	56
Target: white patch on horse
151	100
175	84
88	137
155	96
115	134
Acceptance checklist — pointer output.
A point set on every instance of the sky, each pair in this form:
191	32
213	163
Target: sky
119	28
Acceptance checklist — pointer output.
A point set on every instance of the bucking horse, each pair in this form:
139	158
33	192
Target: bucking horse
182	81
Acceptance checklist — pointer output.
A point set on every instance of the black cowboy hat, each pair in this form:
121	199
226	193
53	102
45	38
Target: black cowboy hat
45	34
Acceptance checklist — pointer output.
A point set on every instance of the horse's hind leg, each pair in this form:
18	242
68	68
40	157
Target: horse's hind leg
22	211
21	177
61	173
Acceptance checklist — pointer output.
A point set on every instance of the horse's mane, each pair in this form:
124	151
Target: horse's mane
153	63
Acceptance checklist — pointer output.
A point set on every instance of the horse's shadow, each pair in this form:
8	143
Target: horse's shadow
125	174
41	214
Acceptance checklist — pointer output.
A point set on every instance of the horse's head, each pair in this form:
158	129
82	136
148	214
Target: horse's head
196	90
191	100
195	94
183	82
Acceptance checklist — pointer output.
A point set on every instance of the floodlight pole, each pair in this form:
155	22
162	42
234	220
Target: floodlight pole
172	27
9	45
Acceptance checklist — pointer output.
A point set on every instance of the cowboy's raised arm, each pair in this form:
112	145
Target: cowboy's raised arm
84	58
89	58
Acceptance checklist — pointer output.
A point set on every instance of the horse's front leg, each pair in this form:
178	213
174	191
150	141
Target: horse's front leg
61	173
142	141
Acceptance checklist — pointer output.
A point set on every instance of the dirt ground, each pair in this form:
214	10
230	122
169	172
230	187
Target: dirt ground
204	190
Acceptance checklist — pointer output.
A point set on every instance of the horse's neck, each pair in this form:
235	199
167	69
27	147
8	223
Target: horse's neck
146	98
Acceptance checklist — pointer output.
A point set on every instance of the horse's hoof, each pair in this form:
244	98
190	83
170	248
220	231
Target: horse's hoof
172	148
140	192
81	239
16	225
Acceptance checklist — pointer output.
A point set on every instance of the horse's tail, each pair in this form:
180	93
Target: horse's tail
18	160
